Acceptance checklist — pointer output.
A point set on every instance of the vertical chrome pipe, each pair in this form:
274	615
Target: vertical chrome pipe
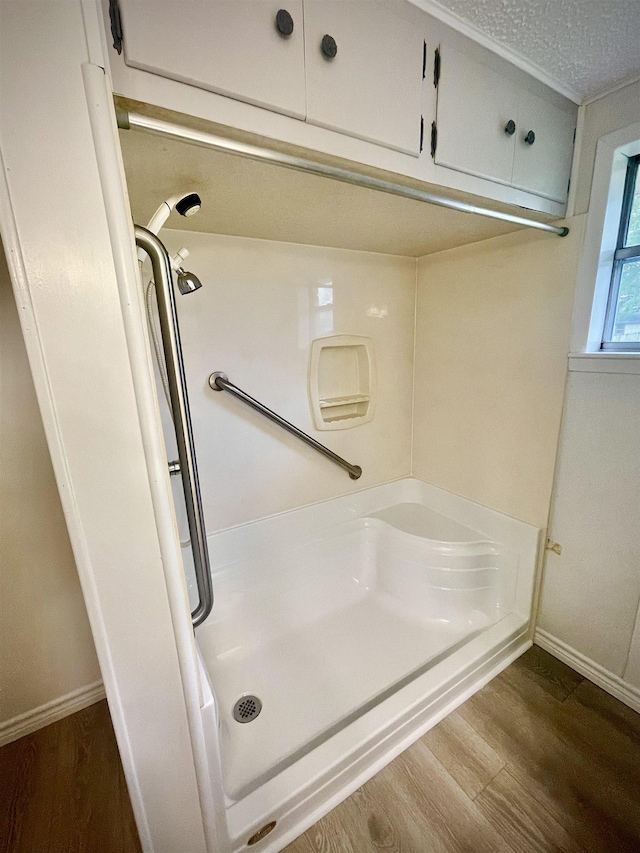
168	316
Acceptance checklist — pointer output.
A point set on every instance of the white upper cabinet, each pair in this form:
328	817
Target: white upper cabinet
251	50
490	126
475	105
543	147
355	67
364	71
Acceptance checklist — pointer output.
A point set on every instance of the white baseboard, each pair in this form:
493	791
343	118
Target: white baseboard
613	684
51	712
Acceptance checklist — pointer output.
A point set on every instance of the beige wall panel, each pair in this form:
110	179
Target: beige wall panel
492	334
590	592
46	647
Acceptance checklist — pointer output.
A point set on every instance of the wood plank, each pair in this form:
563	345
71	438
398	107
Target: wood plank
28	776
88	761
520	720
618	715
612	755
408	813
521	820
550	673
375	818
62	789
464	754
330	834
448	818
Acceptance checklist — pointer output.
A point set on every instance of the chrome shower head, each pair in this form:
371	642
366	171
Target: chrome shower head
187	281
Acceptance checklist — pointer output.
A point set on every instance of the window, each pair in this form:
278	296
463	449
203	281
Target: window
622	322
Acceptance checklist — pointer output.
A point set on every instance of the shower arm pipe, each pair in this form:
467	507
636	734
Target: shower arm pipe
127	120
220	382
170	331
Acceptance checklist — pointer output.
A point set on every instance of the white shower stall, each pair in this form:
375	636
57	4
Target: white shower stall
350	611
349	615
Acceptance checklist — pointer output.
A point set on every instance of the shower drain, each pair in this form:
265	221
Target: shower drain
247	708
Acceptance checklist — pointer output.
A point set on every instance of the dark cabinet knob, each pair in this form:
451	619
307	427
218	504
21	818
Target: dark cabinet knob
284	23
510	127
328	46
530	138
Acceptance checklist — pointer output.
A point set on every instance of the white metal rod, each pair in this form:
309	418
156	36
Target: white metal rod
158	127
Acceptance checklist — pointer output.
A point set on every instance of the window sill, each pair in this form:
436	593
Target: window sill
604	362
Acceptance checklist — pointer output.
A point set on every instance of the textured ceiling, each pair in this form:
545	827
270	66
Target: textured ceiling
585	45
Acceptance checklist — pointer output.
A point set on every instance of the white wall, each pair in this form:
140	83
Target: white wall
492	334
254	318
591	592
46	648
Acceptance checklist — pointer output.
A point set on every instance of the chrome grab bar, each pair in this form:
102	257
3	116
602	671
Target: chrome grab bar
170	330
220	382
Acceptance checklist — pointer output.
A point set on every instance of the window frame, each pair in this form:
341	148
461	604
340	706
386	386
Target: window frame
622	255
612	153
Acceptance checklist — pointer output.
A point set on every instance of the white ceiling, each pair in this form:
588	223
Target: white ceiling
584	46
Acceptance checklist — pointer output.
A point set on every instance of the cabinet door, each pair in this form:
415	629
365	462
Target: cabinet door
475	106
372	87
544	166
228	46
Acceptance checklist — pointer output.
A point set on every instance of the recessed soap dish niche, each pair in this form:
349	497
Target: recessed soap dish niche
342	381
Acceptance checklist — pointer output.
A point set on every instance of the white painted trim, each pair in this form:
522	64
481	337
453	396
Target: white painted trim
95	34
614	87
436	10
50	712
613	684
113	183
113	530
604	362
575	165
594	273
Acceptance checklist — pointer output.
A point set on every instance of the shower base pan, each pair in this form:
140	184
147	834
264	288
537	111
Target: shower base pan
345	630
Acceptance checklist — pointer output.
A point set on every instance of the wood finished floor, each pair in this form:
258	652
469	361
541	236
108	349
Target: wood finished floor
62	790
539	761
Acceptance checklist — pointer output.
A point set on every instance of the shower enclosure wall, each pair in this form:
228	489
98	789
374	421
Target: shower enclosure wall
349	616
